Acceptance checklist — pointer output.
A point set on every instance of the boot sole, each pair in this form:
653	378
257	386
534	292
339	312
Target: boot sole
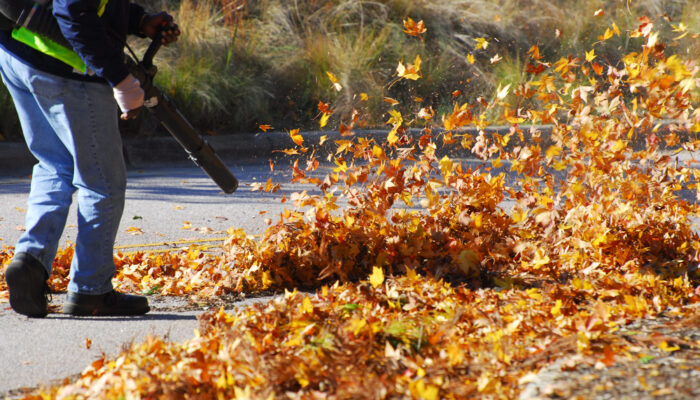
22	297
82	311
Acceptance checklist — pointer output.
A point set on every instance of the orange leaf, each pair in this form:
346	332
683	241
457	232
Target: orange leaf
296	137
324	108
534	52
134	230
391	101
414	28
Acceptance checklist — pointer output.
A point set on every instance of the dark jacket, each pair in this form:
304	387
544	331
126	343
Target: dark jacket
98	40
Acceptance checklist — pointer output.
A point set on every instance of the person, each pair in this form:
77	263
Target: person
69	121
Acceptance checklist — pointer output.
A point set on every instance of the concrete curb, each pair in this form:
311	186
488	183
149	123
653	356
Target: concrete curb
15	158
142	152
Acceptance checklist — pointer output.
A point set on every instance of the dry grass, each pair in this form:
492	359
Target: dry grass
266	61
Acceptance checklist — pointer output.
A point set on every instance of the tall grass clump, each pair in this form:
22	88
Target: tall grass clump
214	89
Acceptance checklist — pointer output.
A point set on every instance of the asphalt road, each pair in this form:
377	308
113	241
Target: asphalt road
166	204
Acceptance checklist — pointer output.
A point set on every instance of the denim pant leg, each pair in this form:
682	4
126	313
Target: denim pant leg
100	176
80	120
51	187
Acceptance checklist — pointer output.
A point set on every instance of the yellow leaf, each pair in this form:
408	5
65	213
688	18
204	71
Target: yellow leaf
534	294
411	274
607	35
356	325
590	55
416	62
425	392
342	166
559	165
377	277
519	215
478	220
364	96
266	281
377	152
335	82
553	151
540	259
411	71
616	29
349	221
617	146
501	93
296	340
392	138
324	119
332	77
446	166
670	349
306	306
134	230
470	58
396	118
556	309
481	43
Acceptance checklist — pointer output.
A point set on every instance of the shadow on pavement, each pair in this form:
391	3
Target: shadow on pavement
147	317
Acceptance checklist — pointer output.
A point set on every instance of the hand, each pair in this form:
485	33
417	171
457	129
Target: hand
162	22
129	96
131	114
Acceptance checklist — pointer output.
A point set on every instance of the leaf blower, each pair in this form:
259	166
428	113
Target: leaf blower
37	18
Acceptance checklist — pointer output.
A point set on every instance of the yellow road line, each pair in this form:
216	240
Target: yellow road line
128	246
156	251
168	250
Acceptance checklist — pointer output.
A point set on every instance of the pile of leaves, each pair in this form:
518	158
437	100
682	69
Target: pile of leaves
423	285
408	337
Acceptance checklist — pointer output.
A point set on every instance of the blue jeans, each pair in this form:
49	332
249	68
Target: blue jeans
71	127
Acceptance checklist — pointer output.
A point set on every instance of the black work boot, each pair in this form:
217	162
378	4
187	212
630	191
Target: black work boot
26	279
112	303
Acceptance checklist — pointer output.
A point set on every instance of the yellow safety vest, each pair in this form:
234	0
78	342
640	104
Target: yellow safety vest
51	48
